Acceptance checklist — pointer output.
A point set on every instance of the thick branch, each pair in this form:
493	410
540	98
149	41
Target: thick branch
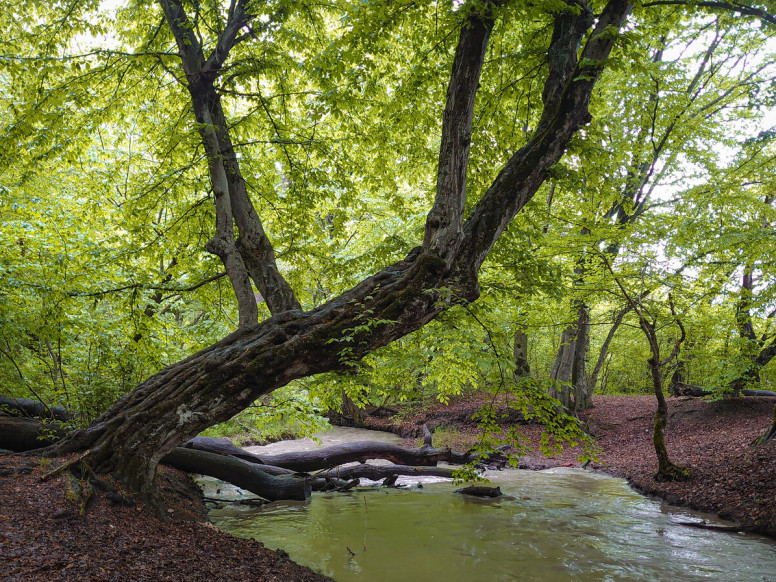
238	17
240	473
253	253
444	221
527	169
727	6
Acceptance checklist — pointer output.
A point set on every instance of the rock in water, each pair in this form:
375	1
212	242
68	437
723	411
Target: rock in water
479	491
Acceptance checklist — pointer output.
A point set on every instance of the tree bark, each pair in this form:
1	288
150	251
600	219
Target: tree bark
522	367
216	383
568	371
667	470
241	473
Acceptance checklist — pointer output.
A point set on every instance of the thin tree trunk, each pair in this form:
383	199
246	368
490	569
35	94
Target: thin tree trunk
522	367
605	347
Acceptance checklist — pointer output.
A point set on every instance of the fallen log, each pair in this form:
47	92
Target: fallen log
362	451
378	472
766	393
221	447
682	389
245	475
33	408
25	434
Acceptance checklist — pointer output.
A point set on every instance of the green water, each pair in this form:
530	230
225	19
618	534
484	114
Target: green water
557	525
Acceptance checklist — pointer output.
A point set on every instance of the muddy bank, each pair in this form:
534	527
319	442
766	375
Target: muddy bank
711	438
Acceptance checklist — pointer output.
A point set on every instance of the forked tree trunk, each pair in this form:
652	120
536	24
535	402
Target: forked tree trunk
568	371
218	382
667	470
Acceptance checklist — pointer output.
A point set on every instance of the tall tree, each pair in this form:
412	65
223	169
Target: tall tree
216	383
205	49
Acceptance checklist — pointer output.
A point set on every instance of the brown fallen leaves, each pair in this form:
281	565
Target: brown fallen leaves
42	537
712	438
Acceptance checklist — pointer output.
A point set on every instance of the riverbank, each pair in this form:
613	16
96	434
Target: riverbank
44	539
711	438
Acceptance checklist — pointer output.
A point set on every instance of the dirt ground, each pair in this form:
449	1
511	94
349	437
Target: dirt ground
44	539
713	439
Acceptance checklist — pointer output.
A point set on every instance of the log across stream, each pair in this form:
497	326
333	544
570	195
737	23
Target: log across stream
560	524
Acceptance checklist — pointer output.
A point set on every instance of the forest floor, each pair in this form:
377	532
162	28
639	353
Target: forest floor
713	439
43	538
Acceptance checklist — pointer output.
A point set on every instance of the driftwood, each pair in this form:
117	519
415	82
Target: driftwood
362	451
245	475
32	408
321	459
378	472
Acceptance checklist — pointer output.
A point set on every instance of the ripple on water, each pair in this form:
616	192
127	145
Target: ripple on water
555	525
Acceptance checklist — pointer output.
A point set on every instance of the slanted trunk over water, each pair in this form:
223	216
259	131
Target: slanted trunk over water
218	382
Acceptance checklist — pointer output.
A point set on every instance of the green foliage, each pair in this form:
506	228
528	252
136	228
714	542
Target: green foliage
531	399
105	206
286	413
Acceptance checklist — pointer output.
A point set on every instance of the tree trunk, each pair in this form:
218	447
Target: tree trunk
769	433
522	367
605	347
568	371
216	383
353	411
667	471
245	475
583	393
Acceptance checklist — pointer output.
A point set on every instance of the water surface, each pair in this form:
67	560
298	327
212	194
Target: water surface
560	524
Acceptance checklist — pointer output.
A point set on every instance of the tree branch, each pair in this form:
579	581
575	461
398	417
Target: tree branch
566	110
729	6
444	222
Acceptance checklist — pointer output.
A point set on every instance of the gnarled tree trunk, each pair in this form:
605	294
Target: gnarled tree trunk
218	382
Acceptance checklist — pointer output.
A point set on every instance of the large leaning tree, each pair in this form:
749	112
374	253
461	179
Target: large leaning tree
216	383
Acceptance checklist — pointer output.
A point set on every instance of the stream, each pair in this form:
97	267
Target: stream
557	524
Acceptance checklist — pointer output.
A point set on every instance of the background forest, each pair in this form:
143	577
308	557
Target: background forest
106	208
